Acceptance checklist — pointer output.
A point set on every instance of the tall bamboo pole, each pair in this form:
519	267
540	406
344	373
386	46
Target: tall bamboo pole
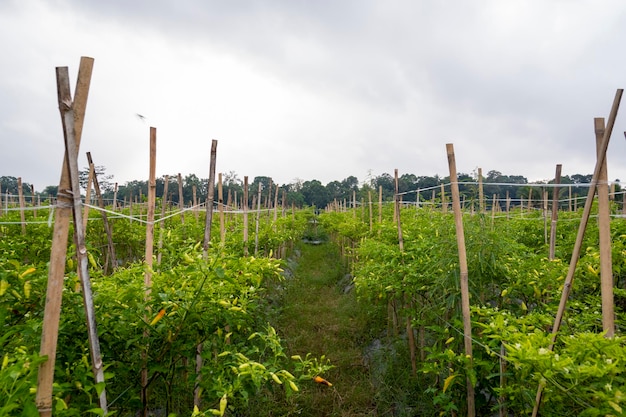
397	211
148	258
210	200
464	280
20	197
58	252
567	285
83	261
92	171
604	226
258	215
245	215
181	199
481	195
220	204
555	211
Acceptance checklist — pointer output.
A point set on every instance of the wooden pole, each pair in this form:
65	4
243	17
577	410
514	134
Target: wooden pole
258	215
604	226
397	210
181	199
81	253
220	204
210	201
20	196
35	204
380	204
481	196
245	216
464	280
92	170
545	215
148	259
195	201
205	254
555	211
58	252
567	285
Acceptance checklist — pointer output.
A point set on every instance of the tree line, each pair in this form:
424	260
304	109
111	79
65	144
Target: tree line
313	193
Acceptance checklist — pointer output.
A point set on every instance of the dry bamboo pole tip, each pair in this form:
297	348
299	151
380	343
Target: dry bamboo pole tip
545	216
1	200
569	279
481	194
205	254
92	170
397	211
244	204
220	204
81	253
181	199
604	226
555	211
58	252
569	199
20	196
380	205
210	201
464	280
105	220
115	197
258	217
148	261
530	199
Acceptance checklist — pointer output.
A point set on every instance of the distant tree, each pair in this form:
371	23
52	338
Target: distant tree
104	181
50	190
315	194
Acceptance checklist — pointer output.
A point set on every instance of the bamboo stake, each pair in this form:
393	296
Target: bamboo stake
397	211
276	204
380	205
481	196
545	216
604	226
205	255
569	199
464	280
88	196
20	196
58	252
210	201
555	211
148	257
220	204
244	203
115	197
195	201
181	199
83	261
105	219
567	285
258	215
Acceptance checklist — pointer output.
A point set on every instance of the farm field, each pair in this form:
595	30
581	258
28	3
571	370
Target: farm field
388	337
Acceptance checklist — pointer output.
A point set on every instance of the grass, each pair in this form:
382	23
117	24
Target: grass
317	316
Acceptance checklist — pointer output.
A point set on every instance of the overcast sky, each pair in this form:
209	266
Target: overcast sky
315	89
